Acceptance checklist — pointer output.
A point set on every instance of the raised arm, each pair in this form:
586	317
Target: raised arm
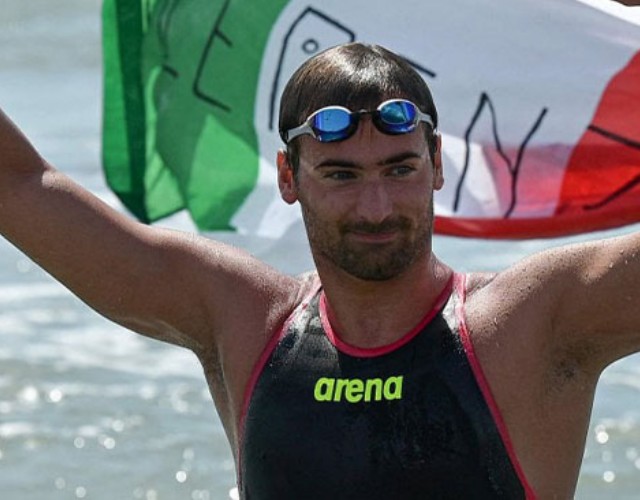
582	299
598	295
176	287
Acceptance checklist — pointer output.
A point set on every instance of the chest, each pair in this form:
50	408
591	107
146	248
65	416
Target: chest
410	419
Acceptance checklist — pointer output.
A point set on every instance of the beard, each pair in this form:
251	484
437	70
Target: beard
370	261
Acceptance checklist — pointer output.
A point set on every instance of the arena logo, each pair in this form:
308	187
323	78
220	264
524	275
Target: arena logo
356	390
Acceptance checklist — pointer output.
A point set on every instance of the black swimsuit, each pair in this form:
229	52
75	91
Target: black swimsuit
411	420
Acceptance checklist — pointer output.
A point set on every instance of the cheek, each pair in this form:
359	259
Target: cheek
413	199
319	218
323	204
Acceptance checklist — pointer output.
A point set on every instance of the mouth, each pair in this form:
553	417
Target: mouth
374	237
376	234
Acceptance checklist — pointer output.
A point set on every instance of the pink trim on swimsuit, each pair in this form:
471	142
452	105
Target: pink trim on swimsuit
485	388
364	352
259	367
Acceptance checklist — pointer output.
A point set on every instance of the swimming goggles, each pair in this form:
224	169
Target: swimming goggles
336	123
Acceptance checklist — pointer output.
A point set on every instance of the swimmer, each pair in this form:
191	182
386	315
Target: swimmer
383	373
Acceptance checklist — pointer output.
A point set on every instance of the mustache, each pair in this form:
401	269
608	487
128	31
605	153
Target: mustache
386	226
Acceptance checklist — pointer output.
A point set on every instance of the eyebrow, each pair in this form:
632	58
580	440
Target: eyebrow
400	157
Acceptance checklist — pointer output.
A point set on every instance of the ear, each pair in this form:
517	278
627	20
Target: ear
438	175
286	182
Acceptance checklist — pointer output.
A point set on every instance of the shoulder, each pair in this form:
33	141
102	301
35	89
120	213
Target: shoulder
220	293
534	282
512	314
552	306
521	298
251	322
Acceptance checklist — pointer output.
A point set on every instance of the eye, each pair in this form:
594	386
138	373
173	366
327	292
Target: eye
401	170
340	175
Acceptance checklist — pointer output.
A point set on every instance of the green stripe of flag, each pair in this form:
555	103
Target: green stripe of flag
180	86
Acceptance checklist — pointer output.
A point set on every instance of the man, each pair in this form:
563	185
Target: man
383	374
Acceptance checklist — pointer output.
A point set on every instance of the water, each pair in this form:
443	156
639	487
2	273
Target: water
89	410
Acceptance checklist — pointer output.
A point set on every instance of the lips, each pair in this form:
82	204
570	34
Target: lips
384	232
375	237
386	226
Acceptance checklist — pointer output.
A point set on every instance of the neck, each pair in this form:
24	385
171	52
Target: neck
376	313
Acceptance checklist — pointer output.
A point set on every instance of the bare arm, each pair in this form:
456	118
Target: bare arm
584	297
176	287
599	295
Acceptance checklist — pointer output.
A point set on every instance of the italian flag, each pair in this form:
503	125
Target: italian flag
539	104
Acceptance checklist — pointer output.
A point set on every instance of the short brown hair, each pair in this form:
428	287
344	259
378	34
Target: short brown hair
356	76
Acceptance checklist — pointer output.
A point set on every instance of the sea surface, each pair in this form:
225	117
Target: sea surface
90	410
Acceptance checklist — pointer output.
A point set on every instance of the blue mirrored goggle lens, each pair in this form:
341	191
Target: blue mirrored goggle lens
332	124
397	117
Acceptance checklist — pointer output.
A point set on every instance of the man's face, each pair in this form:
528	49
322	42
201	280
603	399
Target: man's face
367	202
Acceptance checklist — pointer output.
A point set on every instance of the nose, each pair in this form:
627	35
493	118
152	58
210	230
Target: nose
373	203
